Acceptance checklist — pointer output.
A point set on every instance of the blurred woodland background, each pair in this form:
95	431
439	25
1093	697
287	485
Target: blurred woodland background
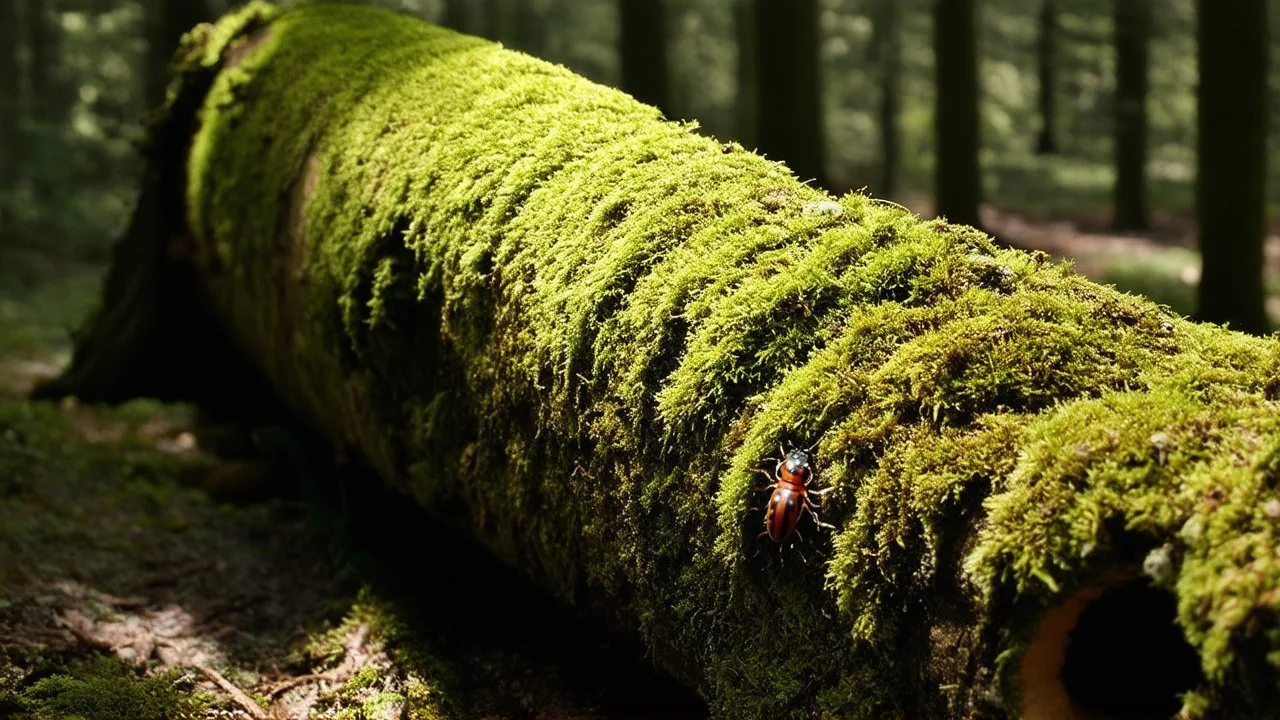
1068	125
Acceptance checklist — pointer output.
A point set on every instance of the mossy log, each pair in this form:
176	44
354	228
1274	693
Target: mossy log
572	329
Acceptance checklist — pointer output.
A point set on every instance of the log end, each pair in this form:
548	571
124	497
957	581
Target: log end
1111	651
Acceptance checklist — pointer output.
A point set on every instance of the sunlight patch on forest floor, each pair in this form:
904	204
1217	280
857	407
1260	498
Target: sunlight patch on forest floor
1162	264
124	587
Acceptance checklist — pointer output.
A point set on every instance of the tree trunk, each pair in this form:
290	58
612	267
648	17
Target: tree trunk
48	103
748	103
643	50
166	21
1232	161
10	114
456	15
571	330
957	177
531	31
1047	141
888	47
789	86
1132	31
516	24
42	48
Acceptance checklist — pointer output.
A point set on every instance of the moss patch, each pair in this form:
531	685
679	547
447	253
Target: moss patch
105	689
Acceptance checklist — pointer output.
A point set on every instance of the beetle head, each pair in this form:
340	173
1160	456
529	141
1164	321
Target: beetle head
798	463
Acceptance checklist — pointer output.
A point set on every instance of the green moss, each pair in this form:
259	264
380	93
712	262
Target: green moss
404	668
105	689
575	330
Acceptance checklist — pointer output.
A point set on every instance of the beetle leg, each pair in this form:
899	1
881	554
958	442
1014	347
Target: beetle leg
816	521
823	491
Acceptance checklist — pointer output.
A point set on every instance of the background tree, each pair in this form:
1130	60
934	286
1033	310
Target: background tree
48	101
517	24
1047	140
744	25
788	107
1232	156
9	114
642	51
957	180
456	15
166	22
887	43
1132	33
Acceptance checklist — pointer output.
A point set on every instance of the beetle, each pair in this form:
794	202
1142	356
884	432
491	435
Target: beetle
791	493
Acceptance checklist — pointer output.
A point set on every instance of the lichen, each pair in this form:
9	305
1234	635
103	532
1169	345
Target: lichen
575	330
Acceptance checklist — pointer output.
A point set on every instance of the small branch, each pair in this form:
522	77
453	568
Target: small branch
291	683
242	699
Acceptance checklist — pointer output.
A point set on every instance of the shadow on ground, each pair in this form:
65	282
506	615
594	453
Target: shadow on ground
141	574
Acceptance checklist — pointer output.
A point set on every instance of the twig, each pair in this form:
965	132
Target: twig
291	683
247	703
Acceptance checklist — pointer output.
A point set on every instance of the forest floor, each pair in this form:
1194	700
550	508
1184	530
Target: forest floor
143	576
1162	263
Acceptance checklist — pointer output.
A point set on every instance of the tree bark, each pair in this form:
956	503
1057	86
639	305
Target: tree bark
1047	140
788	86
957	176
1234	46
888	44
643	50
571	330
1132	32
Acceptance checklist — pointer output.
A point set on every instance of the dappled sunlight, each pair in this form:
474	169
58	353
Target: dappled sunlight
343	667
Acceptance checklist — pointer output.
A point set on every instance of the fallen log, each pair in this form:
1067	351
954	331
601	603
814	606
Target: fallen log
572	329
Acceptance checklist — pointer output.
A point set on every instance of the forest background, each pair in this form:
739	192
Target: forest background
1070	95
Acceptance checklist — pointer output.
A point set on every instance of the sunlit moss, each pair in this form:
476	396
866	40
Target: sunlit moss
575	330
106	689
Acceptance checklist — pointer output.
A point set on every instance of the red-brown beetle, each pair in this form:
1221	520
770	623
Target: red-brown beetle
791	494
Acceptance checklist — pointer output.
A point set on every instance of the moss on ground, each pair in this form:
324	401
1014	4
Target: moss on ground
119	571
104	688
573	329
